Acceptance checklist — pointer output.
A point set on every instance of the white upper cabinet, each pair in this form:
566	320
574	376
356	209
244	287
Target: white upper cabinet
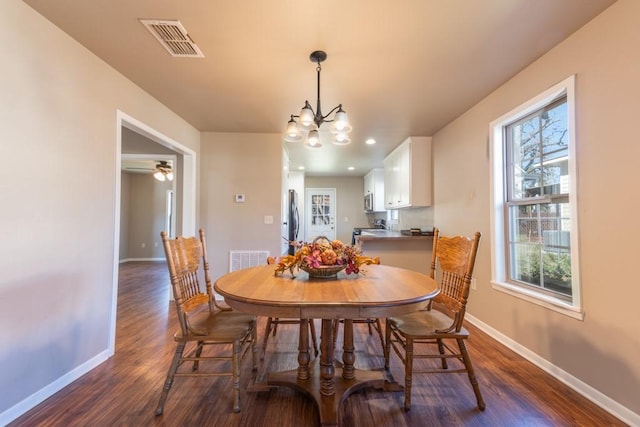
374	184
407	174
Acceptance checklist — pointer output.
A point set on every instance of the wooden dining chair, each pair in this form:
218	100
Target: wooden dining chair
440	324
273	322
203	322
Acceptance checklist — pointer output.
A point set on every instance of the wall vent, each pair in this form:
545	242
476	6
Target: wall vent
245	259
173	37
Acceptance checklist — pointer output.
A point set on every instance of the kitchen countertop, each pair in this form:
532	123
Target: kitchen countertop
380	235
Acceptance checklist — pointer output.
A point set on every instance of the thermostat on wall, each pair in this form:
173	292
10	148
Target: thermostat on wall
239	198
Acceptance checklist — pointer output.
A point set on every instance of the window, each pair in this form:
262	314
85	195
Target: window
533	197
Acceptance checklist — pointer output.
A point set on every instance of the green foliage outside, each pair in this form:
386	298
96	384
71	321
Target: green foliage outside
556	270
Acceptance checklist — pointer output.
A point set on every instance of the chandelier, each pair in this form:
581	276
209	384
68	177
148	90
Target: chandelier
163	171
304	126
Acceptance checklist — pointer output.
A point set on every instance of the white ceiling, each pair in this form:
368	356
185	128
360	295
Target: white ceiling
400	68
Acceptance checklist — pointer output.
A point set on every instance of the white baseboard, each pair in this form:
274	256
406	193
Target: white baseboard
600	399
38	397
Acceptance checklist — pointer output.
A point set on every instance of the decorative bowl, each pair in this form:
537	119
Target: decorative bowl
324	271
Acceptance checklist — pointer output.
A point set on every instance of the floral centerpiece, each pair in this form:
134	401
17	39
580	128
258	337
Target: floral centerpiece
323	258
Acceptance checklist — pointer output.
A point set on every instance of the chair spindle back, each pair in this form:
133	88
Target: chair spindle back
452	265
183	259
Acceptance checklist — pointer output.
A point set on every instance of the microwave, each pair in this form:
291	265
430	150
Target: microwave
368	203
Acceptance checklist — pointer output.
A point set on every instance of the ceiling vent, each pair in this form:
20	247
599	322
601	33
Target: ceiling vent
173	37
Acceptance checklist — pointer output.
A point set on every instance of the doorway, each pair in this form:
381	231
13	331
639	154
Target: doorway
147	198
184	192
320	217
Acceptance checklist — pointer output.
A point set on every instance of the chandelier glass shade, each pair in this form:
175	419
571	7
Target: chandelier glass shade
305	126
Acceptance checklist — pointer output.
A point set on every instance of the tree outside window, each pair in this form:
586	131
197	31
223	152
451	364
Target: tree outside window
537	205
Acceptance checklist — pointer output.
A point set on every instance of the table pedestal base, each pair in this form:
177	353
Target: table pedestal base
327	384
328	406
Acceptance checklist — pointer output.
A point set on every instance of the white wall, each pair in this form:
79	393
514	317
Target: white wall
249	164
600	354
147	208
57	222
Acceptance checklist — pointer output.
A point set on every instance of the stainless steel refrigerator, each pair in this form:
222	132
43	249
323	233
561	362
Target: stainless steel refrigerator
293	220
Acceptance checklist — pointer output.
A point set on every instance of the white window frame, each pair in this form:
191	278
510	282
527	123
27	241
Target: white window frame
499	244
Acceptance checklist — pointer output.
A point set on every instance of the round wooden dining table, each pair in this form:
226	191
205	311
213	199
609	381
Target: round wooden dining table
380	291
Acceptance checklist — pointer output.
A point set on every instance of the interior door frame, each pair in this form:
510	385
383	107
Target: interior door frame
188	224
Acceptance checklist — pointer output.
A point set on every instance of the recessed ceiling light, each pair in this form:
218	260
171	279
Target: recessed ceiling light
370	141
300	168
351	168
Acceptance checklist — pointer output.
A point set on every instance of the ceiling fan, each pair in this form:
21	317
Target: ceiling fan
163	171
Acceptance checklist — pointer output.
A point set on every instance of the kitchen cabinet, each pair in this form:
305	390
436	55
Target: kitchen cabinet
407	174
374	185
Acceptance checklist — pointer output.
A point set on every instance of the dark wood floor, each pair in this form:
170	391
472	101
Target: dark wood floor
124	390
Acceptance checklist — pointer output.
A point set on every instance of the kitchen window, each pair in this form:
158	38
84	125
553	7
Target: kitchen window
534	213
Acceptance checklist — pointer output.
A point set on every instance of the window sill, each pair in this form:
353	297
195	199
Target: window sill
548	302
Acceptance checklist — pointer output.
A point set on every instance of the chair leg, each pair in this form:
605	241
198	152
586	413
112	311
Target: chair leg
170	376
408	372
378	327
235	366
196	363
441	350
312	328
472	376
254	346
387	343
267	331
336	326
